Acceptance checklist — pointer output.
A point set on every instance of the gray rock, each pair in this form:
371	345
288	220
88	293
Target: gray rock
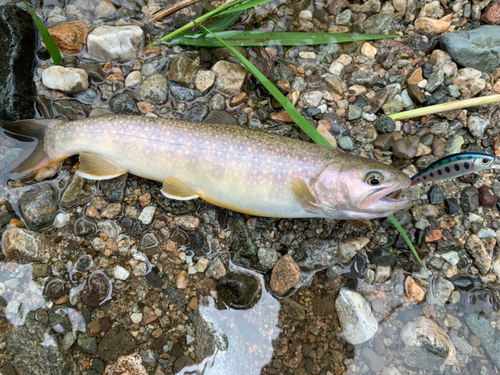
293	309
469	199
267	257
298	84
23	244
440	129
94	71
76	192
149	356
183	94
435	80
490	338
36	350
405	148
154	89
477	125
462	345
364	77
478	48
154	66
372	359
376	23
17	58
354	112
115	343
355	317
477	250
124	104
439	291
345	143
38	206
87	343
316	253
71	109
114	189
209	337
86	97
181	71
197	113
385	124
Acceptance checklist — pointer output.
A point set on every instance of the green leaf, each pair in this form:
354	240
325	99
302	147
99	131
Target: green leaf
239	38
222	23
400	229
47	39
246	5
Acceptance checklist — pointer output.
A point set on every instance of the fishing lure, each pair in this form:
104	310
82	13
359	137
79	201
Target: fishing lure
456	165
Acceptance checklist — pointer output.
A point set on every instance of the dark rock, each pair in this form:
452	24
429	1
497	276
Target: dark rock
242	243
124	104
382	257
76	192
175	297
87	343
465	283
424	43
427	70
364	77
383	142
98	365
154	279
197	113
479	300
97	289
283	72
452	205
416	95
469	199
94	71
378	100
32	358
339	126
115	343
181	71
293	309
114	189
237	291
487	196
436	196
182	362
405	148
480	326
478	48
316	253
84	227
71	109
17	58
448	243
385	124
323	305
357	268
183	94
8	370
54	289
44	106
38	206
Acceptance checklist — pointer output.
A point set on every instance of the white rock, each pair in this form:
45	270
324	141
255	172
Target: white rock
230	77
120	273
355	316
60	220
115	43
349	248
69	80
147	214
202	264
451	257
136	318
133	80
312	98
336	68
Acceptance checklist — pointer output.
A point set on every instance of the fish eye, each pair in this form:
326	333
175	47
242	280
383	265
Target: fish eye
374	178
485	161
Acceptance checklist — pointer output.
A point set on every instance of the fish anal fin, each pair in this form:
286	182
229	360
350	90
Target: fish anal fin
303	195
176	189
95	167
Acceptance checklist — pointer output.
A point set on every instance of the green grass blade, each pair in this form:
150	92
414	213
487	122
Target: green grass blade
297	117
222	23
400	229
245	5
47	39
237	38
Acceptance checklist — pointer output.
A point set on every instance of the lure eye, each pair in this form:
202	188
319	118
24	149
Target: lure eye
485	161
374	178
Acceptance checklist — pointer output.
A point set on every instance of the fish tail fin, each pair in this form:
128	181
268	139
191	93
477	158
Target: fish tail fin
26	131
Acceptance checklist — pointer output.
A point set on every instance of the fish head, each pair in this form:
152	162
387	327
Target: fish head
358	188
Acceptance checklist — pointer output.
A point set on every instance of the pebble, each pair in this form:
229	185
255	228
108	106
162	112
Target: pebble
124	104
312	98
154	89
471	82
181	71
469	199
477	250
133	80
188	222
204	80
368	50
345	143
70	37
439	291
286	273
267	257
431	26
230	77
413	291
373	360
349	248
120	273
127	365
385	124
477	125
136	318
23	244
69	80
355	317
435	80
487	196
115	43
405	148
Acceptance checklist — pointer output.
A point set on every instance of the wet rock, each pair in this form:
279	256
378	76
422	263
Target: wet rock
84	227
480	326
115	343
293	310
238	291
70	36
217	268
36	350
487	196
374	362
355	316
154	89
197	113
38	206
69	80
479	300
376	23
452	205
87	343
439	291
405	148
242	243
478	48
114	189
382	257
413	291
316	253
469	199
471	82
357	268
477	250
71	109
385	124
86	97
97	289
286	273
209	338
17	58
25	245
183	94
124	104
94	71
477	125
134	79
115	43
448	243
181	71
267	257
230	77
436	196
383	142
426	345
349	248
126	365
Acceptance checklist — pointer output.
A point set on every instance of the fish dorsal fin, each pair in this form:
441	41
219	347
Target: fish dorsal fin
220	117
176	189
303	195
95	167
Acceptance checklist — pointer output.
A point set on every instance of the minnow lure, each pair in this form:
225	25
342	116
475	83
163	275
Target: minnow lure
456	165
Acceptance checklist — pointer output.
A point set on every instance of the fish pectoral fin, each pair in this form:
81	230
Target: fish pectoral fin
95	167
176	189
303	195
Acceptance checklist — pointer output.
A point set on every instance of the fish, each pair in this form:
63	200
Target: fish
456	165
238	168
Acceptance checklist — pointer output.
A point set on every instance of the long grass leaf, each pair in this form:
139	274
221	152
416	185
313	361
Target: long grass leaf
296	116
400	229
47	39
237	38
245	5
223	22
450	106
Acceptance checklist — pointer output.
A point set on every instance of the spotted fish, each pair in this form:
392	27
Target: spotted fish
456	165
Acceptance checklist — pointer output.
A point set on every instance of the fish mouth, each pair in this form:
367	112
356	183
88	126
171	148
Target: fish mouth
385	199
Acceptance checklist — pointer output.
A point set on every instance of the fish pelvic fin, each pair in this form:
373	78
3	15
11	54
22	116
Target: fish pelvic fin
176	189
26	131
303	195
96	167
